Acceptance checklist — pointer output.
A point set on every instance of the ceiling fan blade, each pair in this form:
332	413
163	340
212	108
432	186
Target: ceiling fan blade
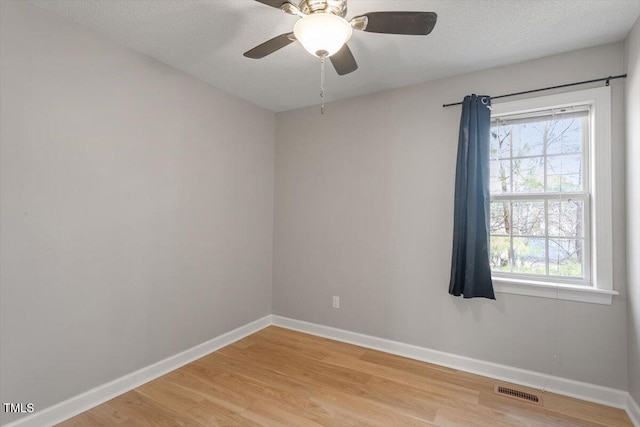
410	23
273	3
343	61
270	46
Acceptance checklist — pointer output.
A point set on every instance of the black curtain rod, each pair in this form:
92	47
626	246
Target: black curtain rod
621	76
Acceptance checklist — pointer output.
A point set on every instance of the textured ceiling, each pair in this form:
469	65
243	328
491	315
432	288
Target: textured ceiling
206	38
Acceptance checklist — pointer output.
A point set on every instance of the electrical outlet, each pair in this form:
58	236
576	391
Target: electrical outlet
336	302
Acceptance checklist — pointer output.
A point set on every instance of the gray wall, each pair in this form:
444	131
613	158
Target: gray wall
364	201
137	209
137	216
632	58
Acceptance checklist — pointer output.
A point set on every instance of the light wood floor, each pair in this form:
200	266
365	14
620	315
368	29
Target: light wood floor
278	377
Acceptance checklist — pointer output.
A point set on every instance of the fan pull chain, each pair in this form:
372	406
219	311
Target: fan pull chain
322	83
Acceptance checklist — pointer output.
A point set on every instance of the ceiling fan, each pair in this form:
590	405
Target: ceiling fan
324	32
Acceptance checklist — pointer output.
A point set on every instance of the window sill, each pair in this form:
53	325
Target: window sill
546	290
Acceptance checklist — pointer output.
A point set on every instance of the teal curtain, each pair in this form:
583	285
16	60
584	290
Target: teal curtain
470	269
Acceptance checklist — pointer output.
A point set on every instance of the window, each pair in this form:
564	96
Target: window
539	192
550	213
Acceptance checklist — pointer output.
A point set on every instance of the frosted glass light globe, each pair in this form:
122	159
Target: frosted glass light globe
322	32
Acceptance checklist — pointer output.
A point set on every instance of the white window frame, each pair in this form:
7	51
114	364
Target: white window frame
600	184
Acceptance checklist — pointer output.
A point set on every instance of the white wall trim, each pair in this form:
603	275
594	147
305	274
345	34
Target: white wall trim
553	291
580	390
633	410
87	400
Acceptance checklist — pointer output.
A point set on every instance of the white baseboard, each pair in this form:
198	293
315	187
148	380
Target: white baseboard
87	400
633	410
580	390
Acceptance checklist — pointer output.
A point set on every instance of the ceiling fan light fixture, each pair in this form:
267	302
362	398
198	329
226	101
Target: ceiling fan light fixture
322	34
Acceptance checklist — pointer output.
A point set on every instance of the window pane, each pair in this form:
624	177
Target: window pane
528	175
500	142
528	139
499	257
528	218
500	218
534	230
500	176
565	257
529	255
565	136
566	218
564	173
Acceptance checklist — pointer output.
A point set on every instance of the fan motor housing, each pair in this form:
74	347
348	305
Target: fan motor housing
335	7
